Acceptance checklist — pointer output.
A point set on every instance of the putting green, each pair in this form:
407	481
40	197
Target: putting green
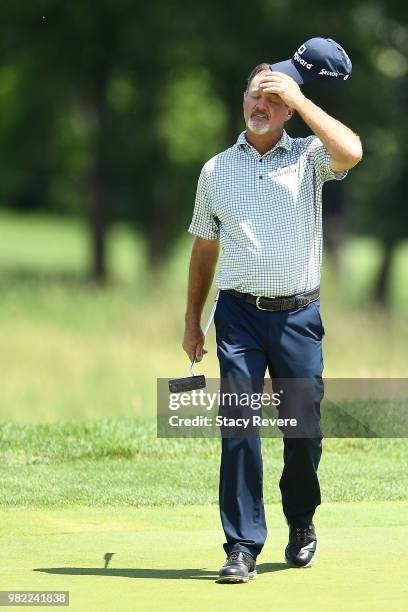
167	558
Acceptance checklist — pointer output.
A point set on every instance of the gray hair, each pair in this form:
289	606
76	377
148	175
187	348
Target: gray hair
255	71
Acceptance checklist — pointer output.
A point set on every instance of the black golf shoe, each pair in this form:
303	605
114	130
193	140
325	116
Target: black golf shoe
239	567
301	549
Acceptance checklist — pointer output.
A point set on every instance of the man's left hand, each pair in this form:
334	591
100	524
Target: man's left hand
285	87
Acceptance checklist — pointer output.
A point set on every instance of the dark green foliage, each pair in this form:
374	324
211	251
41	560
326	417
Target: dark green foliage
108	109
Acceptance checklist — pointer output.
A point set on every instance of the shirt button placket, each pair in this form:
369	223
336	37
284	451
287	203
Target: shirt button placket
261	170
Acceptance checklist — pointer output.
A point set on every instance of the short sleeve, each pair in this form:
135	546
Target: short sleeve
204	224
320	158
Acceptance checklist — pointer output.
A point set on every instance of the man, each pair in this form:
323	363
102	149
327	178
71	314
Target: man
261	199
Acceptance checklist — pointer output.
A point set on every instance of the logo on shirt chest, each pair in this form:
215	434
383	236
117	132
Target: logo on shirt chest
283	183
284	171
249	191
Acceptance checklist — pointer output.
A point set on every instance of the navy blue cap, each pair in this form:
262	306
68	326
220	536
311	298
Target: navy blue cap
317	58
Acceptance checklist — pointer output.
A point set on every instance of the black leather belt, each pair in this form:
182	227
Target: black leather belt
278	303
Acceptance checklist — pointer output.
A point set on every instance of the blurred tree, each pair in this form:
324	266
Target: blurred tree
109	108
380	109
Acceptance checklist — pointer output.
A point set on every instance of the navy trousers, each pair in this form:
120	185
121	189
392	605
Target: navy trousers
288	344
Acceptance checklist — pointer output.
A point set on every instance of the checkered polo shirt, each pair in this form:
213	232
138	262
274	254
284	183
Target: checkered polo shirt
266	210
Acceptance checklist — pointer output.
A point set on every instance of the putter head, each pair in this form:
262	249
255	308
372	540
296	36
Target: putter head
179	385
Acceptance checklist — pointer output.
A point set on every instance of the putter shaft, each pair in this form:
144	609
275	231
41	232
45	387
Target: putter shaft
206	328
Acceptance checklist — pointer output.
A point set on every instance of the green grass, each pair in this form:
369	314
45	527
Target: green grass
83	473
73	351
110	462
170	557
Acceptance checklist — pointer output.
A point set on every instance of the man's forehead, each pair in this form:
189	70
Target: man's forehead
254	87
258	78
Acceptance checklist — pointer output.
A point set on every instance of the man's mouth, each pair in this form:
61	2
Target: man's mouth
259	115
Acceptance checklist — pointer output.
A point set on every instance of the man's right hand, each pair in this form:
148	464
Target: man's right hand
193	342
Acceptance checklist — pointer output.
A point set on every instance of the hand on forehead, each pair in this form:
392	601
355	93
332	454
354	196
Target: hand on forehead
260	80
269	76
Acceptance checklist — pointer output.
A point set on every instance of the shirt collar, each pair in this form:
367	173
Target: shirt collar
284	142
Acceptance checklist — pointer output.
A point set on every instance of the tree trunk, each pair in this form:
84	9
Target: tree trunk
381	291
98	220
161	204
99	187
156	243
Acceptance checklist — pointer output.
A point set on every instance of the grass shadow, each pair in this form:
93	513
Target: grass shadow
157	574
32	278
122	572
27	276
267	568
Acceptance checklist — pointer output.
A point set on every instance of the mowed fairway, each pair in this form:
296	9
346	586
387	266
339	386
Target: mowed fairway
167	558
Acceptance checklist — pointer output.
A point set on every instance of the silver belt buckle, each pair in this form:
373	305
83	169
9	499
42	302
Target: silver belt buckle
257	303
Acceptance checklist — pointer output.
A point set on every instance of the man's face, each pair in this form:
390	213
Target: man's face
264	112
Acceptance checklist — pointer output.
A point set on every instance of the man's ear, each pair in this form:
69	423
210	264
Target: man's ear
290	113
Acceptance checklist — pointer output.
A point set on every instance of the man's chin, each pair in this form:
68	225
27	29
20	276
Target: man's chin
259	130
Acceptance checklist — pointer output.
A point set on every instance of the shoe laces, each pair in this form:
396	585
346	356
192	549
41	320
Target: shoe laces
302	534
234	555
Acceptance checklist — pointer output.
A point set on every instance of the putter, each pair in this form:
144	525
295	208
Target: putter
179	385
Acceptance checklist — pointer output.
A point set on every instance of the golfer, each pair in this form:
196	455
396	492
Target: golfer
261	200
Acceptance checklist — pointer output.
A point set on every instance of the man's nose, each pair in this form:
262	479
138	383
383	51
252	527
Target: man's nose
262	102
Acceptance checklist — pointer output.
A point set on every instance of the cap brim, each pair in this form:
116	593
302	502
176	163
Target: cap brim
288	67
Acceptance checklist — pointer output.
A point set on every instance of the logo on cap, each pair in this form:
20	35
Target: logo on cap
325	72
317	58
299	59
